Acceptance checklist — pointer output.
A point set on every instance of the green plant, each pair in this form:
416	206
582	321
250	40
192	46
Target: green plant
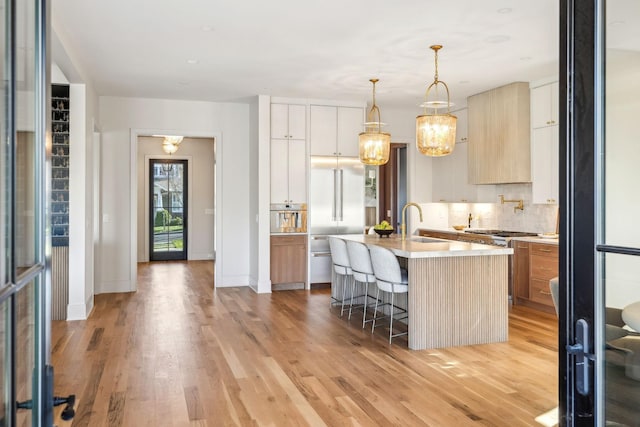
163	218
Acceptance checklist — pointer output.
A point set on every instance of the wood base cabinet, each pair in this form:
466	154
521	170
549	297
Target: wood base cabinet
534	264
288	261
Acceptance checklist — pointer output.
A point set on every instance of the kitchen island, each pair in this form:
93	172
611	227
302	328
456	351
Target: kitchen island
458	291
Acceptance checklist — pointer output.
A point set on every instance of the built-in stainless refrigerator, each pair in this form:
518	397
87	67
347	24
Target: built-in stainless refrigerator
336	206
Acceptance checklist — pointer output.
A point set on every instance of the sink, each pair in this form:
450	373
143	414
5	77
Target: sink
426	239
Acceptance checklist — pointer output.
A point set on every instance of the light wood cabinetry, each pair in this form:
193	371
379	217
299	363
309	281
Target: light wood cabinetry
520	271
534	264
544	143
499	128
334	130
288	259
288	154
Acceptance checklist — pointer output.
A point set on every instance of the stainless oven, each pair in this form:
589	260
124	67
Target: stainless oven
288	218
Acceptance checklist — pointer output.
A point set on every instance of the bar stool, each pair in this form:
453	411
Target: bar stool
341	267
390	278
362	273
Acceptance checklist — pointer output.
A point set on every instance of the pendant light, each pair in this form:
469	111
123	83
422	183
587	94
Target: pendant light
436	133
170	143
374	144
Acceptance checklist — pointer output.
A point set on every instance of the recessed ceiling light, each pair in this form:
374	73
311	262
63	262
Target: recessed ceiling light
616	23
206	28
463	82
497	39
505	10
525	58
184	83
192	61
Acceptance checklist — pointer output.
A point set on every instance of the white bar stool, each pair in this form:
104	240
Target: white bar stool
362	273
390	278
341	267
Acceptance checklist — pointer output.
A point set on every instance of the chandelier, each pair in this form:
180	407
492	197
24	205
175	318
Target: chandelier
436	133
374	144
170	143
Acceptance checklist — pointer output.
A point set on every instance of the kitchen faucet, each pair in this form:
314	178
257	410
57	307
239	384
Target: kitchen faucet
403	226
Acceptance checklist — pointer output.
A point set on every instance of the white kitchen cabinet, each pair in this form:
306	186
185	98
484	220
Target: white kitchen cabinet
544	105
288	154
288	171
450	178
544	165
334	130
288	121
462	134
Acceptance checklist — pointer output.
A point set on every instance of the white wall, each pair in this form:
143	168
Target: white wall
84	112
260	180
122	119
199	153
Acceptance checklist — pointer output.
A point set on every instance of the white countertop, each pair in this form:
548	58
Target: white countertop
427	247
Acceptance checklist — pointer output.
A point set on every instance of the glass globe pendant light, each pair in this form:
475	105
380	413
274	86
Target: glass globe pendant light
436	133
374	144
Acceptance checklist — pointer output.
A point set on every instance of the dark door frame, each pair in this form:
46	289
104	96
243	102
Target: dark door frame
169	255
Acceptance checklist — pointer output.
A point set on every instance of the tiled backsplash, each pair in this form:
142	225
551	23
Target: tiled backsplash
535	218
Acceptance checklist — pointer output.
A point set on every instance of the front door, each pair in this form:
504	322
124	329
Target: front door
168	209
600	241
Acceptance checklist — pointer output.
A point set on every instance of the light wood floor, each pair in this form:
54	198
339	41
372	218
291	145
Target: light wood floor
176	353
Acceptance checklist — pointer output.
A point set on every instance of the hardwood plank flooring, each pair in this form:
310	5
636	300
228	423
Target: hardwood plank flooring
179	353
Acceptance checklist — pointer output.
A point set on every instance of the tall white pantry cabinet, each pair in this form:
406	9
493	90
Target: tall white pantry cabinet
288	153
544	143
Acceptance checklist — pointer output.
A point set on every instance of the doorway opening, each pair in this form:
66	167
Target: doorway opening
168	192
393	185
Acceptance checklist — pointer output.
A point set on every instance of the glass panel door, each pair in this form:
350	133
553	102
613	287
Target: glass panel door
25	396
619	243
600	241
168	210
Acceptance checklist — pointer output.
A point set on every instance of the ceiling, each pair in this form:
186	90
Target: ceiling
229	50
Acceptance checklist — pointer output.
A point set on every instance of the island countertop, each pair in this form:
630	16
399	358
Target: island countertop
427	247
457	290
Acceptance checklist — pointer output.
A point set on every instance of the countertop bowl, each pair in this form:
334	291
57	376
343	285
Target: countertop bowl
383	233
459	227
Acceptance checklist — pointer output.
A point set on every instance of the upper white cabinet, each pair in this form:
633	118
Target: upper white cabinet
544	105
288	154
450	178
544	144
288	121
499	135
462	133
334	130
544	165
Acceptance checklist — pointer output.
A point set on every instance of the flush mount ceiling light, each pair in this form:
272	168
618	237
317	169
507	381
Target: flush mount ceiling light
170	143
436	133
374	144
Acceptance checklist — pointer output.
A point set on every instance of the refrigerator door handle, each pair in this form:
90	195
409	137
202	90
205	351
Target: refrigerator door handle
335	189
339	196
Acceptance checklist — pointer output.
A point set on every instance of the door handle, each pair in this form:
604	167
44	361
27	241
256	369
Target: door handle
582	357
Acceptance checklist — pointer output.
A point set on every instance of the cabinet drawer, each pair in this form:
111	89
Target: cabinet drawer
544	249
539	291
288	240
543	267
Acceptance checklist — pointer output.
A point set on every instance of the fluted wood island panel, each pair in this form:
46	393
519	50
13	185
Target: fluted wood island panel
457	291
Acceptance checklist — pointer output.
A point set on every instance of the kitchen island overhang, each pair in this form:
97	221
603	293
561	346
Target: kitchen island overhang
458	291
